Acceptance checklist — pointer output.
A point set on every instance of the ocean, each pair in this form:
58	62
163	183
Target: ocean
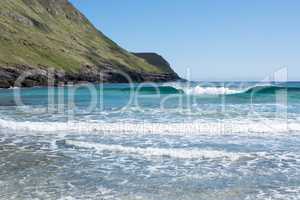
183	140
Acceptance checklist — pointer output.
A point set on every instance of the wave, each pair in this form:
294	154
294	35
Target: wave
199	90
270	89
157	152
155	90
225	127
174	88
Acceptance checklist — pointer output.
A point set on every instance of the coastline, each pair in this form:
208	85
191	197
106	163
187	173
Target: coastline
34	77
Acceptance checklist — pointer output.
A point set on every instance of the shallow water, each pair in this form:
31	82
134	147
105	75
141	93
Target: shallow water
204	143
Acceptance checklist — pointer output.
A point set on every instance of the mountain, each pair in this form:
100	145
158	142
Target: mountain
52	34
155	60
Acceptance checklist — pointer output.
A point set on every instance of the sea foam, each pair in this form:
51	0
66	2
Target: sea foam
224	127
149	152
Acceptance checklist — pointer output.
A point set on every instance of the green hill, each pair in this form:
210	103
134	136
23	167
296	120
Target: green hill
155	60
42	34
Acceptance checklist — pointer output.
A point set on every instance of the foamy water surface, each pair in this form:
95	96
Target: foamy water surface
215	143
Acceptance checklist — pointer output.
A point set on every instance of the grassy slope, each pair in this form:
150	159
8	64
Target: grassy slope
52	33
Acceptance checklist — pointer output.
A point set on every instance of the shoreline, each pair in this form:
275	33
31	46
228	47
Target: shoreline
39	77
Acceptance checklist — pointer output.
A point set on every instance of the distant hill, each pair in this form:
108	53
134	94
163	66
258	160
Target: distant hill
43	34
155	60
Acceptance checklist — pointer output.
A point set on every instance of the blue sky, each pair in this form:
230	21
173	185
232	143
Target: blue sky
215	39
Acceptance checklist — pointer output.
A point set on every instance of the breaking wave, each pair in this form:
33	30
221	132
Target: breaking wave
157	152
226	127
177	88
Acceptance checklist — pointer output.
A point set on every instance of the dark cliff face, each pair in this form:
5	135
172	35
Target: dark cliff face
156	60
43	34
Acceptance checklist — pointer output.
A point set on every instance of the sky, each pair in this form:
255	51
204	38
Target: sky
206	39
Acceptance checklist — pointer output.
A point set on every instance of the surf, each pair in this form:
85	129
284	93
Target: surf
202	90
156	152
264	127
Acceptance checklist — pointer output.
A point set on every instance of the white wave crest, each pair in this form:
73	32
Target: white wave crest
158	152
205	90
226	127
198	90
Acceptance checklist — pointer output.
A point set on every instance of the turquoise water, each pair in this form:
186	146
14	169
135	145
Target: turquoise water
172	141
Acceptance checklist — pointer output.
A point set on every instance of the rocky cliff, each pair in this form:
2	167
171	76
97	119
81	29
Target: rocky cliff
38	35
